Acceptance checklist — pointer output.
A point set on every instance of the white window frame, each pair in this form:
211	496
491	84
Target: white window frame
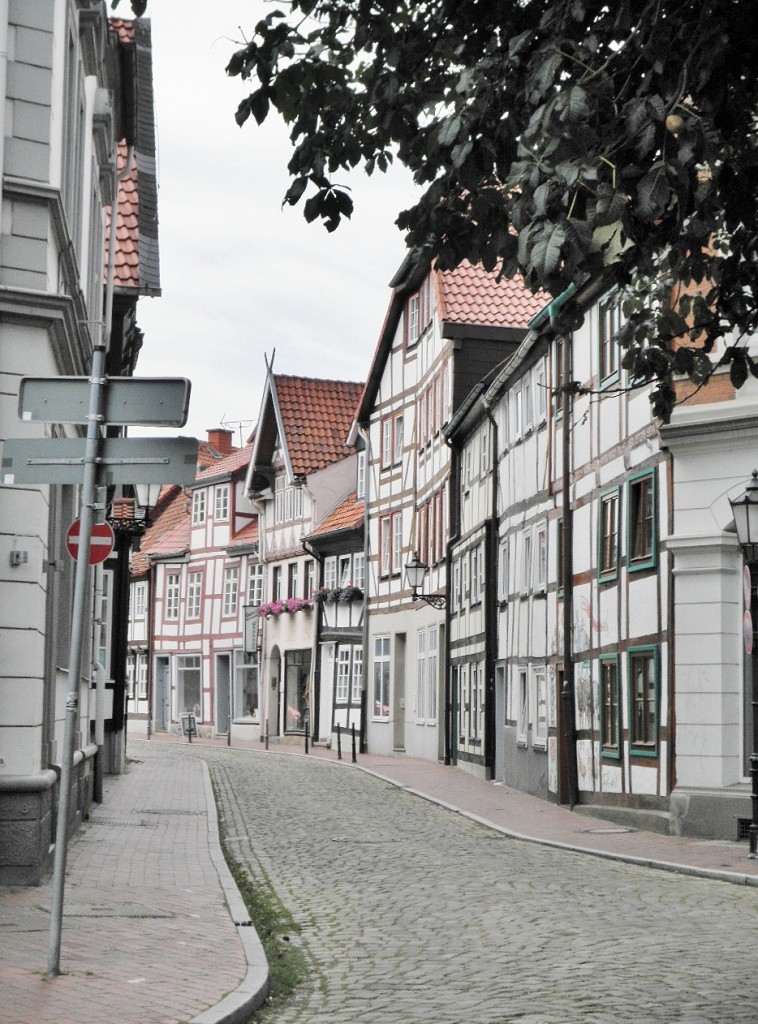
194	593
386	442
381	682
173	593
397	439
540	555
184	663
527	557
356	674
231	590
342	682
198	506
330	572
540	374
141	675
503	567
255	584
421	676
222	503
360	475
432	673
359	570
540	707
385	541
397	543
140	592
522	696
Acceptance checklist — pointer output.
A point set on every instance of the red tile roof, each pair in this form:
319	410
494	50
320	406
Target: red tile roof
348	515
246	536
170	532
127	226
123	28
226	465
316	415
471	295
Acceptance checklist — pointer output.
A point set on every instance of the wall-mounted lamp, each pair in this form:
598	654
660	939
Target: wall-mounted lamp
415	573
745	512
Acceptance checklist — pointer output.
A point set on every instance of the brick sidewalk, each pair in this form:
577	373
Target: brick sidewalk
147	934
150	909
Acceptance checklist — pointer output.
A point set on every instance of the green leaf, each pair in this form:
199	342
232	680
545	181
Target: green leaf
546	251
448	131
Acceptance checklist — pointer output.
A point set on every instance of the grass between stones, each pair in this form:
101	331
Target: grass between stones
278	932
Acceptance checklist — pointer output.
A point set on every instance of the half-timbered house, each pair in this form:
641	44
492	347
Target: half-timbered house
197	570
300	469
443	332
338	544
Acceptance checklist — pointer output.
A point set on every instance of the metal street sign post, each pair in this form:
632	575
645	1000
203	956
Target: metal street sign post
91	462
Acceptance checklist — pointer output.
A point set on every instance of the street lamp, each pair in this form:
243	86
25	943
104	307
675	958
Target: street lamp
147	497
415	573
745	512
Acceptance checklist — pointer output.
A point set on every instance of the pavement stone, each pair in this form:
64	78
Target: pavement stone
408	912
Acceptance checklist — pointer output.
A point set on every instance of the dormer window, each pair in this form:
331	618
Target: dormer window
198	507
288	501
222	502
418	312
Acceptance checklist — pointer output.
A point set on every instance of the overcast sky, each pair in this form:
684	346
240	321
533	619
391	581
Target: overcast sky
240	275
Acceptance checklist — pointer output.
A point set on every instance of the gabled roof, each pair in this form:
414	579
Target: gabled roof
309	417
469	296
348	515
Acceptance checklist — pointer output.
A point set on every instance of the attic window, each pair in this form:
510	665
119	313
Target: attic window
418	312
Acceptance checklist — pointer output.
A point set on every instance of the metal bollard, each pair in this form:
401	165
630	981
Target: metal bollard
352	729
305	723
339	742
265	735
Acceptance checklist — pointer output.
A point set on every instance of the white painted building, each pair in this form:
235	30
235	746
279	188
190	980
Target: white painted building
443	332
63	114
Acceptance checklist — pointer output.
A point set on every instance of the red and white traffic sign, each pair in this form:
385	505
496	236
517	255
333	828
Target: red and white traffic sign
101	542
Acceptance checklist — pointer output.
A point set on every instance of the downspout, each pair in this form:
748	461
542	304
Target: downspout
363	744
491	638
570	791
454	484
151	598
106	340
316	711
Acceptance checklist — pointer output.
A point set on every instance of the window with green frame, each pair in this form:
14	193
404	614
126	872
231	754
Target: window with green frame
642	540
610	707
608	535
643	701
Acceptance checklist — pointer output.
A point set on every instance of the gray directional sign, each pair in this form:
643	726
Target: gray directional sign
123	460
148	401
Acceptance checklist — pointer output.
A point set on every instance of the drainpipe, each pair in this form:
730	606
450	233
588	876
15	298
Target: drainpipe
454	518
363	744
315	717
569	791
490	596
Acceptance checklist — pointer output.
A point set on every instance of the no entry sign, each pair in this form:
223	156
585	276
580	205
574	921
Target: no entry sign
100	545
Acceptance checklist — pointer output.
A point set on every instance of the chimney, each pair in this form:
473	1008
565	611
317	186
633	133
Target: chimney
221	440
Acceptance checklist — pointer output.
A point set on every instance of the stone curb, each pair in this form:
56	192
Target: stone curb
645	862
250	994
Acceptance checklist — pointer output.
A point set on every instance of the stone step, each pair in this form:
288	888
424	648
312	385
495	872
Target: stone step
638	818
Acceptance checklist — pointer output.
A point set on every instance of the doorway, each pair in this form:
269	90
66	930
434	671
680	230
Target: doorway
398	693
162	694
223	692
499	723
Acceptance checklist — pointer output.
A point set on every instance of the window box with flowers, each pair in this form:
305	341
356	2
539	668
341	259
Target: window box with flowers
343	594
287	605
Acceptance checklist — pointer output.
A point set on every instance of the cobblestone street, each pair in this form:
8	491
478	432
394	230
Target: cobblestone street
410	913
